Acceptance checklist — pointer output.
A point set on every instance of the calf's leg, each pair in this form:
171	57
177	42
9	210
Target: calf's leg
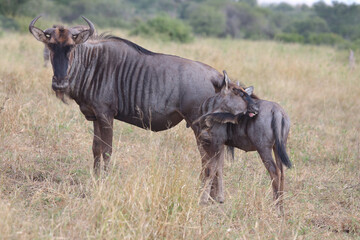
209	169
274	171
217	188
281	184
212	164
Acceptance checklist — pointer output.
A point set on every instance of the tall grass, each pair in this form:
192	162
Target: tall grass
47	190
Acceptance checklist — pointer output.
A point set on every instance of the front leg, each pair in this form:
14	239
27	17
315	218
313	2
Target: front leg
209	172
212	161
212	167
106	130
217	188
97	147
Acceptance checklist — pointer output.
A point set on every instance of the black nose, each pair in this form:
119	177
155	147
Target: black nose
60	84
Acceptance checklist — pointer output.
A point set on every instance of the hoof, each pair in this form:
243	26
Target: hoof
220	199
280	212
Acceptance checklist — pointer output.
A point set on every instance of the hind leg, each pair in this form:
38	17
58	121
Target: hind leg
275	175
281	184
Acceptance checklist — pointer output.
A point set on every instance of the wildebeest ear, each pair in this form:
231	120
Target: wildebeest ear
226	80
82	37
221	117
39	34
249	90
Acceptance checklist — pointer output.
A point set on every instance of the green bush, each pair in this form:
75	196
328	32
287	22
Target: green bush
290	38
23	24
307	26
164	28
207	21
324	39
8	23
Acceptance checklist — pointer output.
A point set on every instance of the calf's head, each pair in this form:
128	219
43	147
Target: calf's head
229	105
61	42
237	99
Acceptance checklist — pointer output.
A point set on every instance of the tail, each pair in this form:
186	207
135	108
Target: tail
280	127
230	153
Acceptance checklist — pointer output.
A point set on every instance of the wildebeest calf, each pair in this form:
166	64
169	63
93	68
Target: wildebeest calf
264	130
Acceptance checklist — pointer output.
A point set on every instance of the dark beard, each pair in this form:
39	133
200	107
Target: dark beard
61	95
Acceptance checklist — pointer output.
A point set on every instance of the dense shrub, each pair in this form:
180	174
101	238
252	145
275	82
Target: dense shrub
307	26
324	38
8	23
206	20
244	21
216	18
165	28
290	38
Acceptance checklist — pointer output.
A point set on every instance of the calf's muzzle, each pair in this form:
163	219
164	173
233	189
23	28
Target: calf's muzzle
252	109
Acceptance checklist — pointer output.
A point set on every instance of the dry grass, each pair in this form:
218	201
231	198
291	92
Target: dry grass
47	190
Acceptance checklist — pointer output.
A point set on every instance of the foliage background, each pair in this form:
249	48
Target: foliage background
337	24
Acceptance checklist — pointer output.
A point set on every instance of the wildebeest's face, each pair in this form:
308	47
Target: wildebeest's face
61	42
236	100
228	106
245	94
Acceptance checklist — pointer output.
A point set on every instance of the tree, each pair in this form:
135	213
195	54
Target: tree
165	28
207	21
244	21
310	25
10	8
341	18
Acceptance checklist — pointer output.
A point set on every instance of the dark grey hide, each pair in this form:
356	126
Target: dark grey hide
110	77
264	132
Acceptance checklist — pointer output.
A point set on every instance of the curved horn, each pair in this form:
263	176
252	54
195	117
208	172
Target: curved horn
91	25
31	26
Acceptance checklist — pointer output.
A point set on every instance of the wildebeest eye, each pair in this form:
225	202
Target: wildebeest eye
47	35
75	36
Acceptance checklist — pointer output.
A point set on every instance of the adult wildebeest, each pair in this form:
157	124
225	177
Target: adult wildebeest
110	77
264	131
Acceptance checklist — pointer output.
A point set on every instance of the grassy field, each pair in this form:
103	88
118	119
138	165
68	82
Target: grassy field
47	190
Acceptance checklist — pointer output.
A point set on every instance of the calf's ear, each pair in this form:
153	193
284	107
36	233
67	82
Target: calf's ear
249	90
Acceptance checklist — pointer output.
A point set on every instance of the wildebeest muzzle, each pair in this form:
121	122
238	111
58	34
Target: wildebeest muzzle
252	109
60	84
